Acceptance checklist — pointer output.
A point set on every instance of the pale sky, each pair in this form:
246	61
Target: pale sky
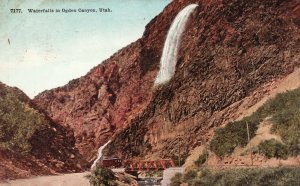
46	50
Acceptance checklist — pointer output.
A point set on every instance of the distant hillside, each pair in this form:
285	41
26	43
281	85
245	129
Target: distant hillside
30	143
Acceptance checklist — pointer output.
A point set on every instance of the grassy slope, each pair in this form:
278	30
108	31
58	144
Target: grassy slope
261	176
283	111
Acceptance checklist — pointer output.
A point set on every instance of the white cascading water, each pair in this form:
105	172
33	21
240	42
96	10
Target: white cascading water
169	56
99	155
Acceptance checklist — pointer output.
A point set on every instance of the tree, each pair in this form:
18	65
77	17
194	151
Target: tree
102	176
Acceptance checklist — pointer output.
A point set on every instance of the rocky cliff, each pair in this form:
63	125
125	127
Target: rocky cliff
30	142
97	104
231	52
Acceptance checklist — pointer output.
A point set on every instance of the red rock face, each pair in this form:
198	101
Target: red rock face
97	104
228	50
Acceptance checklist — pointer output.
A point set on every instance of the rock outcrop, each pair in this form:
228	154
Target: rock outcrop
97	104
39	147
230	50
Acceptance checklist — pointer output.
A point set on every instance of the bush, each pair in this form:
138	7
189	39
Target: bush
102	176
285	114
234	134
18	123
287	125
202	158
273	148
286	119
177	179
189	176
237	177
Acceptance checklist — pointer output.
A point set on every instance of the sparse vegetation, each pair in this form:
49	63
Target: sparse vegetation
273	148
18	122
177	179
202	158
284	112
102	176
236	177
189	176
287	125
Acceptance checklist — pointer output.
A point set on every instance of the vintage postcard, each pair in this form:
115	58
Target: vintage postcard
149	92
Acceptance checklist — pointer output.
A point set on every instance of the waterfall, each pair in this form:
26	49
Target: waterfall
99	155
169	56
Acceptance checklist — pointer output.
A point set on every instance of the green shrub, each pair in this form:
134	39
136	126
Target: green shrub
232	135
177	179
102	176
189	176
273	148
202	158
18	123
247	176
285	114
285	110
287	125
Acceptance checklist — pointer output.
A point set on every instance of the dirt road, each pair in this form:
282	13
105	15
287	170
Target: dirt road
76	179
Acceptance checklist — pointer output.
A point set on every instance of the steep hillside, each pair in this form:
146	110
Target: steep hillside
230	50
30	143
280	113
99	103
